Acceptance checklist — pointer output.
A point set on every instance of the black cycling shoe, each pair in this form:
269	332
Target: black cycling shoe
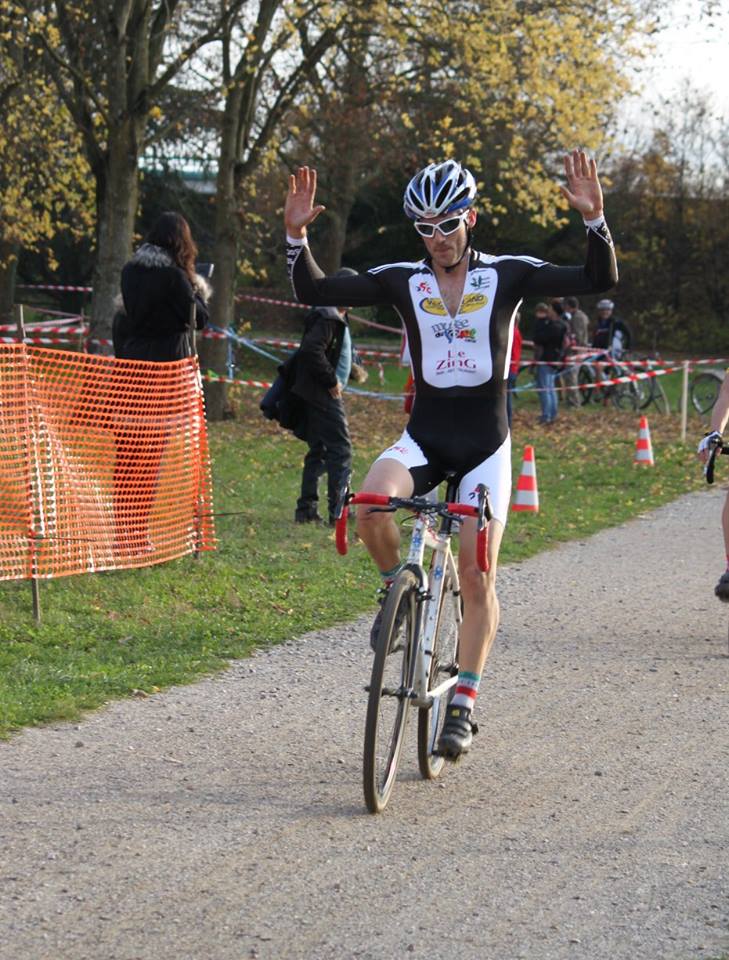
457	733
721	590
307	515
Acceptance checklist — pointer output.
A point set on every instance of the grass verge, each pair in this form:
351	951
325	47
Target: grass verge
132	633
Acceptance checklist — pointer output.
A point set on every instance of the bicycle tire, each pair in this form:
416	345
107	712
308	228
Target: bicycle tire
704	391
585	379
624	396
444	663
659	398
390	675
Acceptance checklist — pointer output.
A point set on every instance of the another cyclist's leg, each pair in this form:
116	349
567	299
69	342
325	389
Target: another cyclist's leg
480	604
722	588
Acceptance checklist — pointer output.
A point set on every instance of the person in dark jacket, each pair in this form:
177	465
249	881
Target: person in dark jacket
323	367
164	299
549	335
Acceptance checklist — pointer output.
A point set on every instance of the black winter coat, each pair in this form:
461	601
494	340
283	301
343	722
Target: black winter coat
318	355
549	334
158	299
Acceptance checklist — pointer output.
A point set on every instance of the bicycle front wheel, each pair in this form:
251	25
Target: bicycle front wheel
443	665
389	694
704	391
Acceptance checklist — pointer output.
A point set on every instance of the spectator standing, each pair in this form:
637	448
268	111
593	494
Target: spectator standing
163	302
578	326
164	299
513	366
323	367
549	335
578	321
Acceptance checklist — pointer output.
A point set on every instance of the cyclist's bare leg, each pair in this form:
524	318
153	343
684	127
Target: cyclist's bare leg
480	603
725	526
378	531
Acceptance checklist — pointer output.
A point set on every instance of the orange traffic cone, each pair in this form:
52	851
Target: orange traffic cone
527	497
643	449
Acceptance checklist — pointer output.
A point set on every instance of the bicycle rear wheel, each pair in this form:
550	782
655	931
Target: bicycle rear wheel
443	665
388	703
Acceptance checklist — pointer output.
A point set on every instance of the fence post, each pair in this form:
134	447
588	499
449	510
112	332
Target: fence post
34	583
684	399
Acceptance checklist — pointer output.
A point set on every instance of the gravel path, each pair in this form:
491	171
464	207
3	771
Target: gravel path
225	819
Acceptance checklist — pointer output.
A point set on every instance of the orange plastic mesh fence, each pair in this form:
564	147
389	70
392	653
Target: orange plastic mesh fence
104	463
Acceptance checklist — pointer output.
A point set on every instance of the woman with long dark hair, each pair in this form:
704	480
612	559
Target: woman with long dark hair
164	299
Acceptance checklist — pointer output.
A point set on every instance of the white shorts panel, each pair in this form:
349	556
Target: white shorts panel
494	472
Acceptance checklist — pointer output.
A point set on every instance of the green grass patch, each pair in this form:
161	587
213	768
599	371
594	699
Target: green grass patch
134	632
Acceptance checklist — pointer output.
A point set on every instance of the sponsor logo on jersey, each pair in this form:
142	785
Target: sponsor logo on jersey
433	306
467	333
424	287
472	302
443	330
455	359
478	281
397	449
455	330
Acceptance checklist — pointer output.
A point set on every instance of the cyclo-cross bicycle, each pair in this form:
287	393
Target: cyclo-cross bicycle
416	658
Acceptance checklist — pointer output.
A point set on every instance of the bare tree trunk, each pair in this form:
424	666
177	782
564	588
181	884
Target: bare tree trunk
117	193
213	351
8	268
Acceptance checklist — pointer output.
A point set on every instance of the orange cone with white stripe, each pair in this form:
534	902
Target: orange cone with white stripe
643	448
527	497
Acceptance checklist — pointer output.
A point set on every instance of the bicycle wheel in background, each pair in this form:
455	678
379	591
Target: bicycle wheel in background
586	378
443	665
388	703
704	391
622	395
659	398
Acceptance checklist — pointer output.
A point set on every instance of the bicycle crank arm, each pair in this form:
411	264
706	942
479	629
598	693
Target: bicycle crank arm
402	693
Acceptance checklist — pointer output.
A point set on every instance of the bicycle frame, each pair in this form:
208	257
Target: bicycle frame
424	537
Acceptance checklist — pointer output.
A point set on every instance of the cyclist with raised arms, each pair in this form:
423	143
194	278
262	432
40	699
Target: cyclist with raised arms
719	420
458	308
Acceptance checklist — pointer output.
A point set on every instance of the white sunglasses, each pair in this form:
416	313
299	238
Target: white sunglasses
446	227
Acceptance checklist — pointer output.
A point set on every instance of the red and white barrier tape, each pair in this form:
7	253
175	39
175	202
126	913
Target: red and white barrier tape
66	288
392	354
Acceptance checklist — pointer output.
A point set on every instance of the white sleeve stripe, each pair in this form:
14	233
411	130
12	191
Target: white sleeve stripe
388	266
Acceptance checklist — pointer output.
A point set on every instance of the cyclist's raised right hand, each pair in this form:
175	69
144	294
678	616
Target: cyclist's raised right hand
299	209
706	443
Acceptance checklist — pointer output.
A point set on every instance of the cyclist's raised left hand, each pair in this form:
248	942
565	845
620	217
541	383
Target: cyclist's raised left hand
583	190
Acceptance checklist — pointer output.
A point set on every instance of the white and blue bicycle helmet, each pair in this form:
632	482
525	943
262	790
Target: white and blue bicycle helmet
439	188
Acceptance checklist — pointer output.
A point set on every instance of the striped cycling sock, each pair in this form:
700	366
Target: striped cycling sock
389	575
466	690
